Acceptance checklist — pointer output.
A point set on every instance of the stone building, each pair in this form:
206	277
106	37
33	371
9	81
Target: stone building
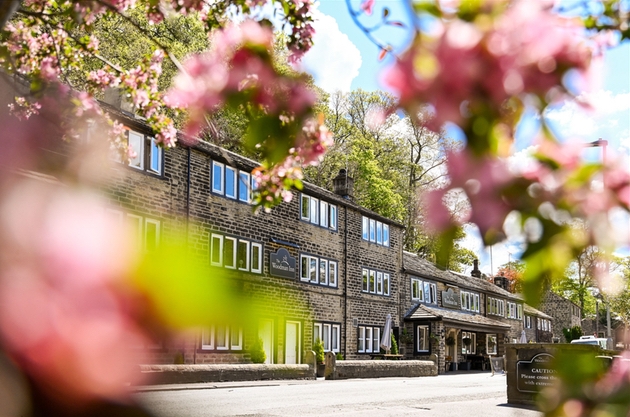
317	267
325	267
565	313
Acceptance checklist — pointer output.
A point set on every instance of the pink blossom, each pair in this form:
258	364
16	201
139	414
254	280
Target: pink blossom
367	6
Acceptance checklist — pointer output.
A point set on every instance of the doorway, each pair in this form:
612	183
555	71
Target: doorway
292	342
265	332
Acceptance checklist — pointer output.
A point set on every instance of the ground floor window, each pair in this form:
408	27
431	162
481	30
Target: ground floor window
471	349
329	334
422	338
491	344
369	339
222	337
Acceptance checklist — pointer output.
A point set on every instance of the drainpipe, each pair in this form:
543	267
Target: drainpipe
345	284
187	221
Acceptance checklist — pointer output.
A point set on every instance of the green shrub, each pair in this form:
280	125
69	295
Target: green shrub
318	348
394	348
339	356
573	333
257	352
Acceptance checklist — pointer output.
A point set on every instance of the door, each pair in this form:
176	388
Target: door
292	343
265	332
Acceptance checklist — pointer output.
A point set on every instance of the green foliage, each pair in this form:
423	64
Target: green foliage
572	334
467	341
257	352
318	348
394	349
339	356
450	341
179	358
405	337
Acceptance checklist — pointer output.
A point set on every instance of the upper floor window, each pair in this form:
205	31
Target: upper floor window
519	311
318	270
496	307
329	334
528	322
511	310
423	291
375	231
369	339
145	230
318	212
375	282
470	301
147	155
236	253
231	182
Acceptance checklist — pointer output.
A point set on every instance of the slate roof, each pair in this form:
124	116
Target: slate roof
417	266
529	310
463	319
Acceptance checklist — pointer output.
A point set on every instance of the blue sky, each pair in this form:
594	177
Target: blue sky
343	58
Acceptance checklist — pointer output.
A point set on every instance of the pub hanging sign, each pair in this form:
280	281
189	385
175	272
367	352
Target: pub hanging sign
282	264
450	299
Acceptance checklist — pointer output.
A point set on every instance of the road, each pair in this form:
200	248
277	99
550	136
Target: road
469	394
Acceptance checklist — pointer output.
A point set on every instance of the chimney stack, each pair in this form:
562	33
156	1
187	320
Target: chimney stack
476	272
343	185
115	97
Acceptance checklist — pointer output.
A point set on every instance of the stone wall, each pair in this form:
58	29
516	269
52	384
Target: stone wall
348	369
189	374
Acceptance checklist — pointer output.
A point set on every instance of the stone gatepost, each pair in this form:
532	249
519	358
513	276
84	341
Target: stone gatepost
331	364
311	361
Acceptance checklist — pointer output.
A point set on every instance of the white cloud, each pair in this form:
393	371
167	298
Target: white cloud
572	120
334	61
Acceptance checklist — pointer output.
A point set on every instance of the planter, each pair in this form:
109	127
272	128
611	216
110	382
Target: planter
321	368
464	366
453	366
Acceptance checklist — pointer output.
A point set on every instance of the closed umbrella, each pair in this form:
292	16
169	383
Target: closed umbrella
523	337
386	340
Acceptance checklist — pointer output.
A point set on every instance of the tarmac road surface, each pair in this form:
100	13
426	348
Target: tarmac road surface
452	395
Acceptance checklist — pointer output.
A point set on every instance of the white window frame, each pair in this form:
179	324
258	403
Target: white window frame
422	330
231	193
314	210
332	223
137	137
207	338
385	235
323	213
155	148
238	345
226	334
221	167
361	339
305	263
235	243
138	225
365	277
323	267
472	350
379	282
332	273
372	230
493	337
519	311
247	254
379	233
528	322
305	204
368	339
386	283
244	180
417	287
372	281
335	334
157	232
365	229
256	268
